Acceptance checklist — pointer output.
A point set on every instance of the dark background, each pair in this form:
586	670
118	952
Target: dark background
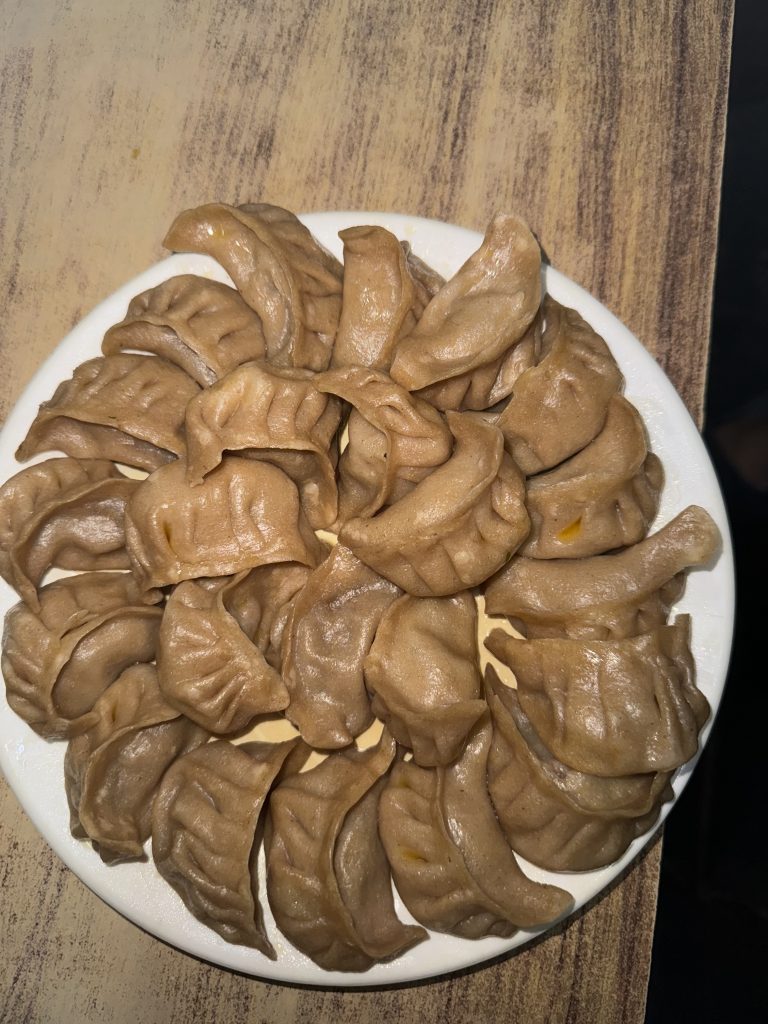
710	954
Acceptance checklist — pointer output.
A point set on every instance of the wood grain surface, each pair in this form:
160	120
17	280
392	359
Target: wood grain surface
600	121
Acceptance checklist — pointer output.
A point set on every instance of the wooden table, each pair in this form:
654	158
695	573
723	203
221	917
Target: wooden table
602	123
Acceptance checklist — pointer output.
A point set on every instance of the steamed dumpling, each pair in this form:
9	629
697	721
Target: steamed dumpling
58	661
331	625
273	414
457	527
604	497
112	771
208	667
204	844
451	863
560	404
328	881
423	673
607	596
126	407
479	314
395	440
245	513
282	272
610	707
552	815
201	325
381	302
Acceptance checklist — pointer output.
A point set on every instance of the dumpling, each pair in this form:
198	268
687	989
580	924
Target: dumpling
610	707
328	635
328	881
552	815
204	844
128	408
57	662
64	513
381	302
479	314
423	673
395	440
262	604
560	404
273	414
487	385
201	325
604	497
451	863
607	596
426	279
208	667
457	527
245	513
112	771
280	270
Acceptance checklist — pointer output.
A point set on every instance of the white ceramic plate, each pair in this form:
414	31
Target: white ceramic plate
34	768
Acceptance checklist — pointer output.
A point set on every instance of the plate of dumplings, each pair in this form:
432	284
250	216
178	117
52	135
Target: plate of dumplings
368	595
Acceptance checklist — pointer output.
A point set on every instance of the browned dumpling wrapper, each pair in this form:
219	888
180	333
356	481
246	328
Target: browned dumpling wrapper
328	880
63	513
208	667
245	513
560	404
327	637
456	527
129	408
276	415
607	596
381	301
451	863
395	440
204	843
112	771
202	326
423	673
552	815
604	497
262	604
57	662
487	385
279	269
610	707
480	313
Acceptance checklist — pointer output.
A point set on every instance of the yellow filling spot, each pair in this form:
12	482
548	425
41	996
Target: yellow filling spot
570	532
135	153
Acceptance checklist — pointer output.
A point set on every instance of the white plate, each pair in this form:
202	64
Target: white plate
34	768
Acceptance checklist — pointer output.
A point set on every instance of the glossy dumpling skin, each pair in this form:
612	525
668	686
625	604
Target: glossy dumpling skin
610	707
479	314
456	527
64	513
276	415
208	667
560	404
58	661
451	863
607	596
395	440
328	881
602	498
285	276
327	637
245	513
204	822
381	301
202	326
552	815
112	771
126	407
423	673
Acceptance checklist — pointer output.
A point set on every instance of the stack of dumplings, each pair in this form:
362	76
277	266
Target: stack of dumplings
287	500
